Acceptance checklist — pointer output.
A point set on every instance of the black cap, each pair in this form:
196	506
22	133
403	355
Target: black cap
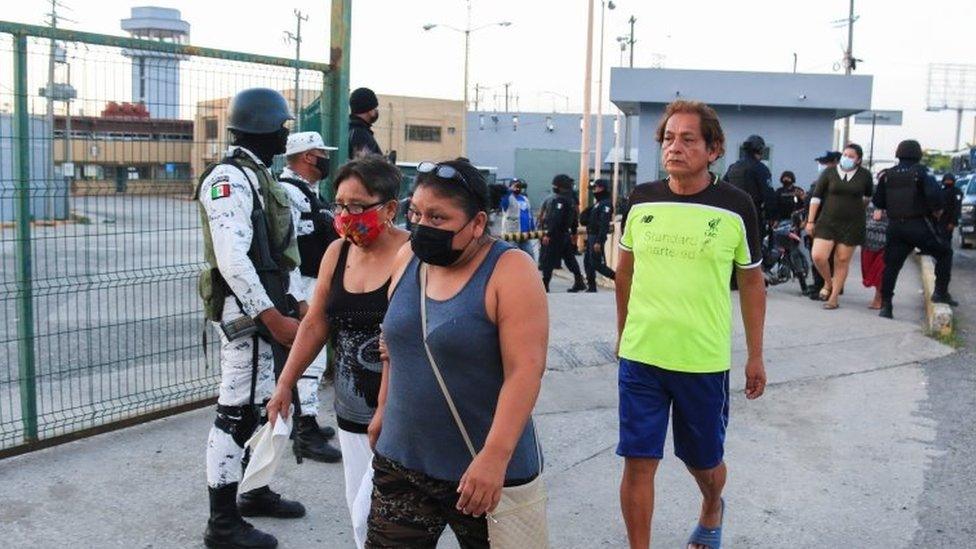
787	174
600	183
362	100
258	111
909	149
829	156
516	182
562	181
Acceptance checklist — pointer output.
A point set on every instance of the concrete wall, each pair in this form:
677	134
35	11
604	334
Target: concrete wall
795	137
494	143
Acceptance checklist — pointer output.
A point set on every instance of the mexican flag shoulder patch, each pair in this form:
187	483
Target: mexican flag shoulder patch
220	190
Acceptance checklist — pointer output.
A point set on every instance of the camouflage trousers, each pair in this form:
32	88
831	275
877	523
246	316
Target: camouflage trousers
411	509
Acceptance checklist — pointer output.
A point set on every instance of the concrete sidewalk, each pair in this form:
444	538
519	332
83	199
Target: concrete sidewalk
833	455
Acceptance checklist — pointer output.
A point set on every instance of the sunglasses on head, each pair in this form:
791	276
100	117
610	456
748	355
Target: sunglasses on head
444	171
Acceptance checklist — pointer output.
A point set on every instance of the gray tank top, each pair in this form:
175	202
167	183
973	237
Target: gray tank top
419	431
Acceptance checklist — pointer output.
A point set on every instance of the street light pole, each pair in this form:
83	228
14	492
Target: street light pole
466	31
599	99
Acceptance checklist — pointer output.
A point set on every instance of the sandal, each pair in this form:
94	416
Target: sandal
830	306
709	537
824	294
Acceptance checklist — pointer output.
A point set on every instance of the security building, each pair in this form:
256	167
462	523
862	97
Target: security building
535	146
124	150
794	113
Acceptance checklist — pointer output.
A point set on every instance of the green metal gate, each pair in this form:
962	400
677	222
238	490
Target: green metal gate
100	243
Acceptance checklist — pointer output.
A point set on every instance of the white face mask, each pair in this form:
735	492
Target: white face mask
847	163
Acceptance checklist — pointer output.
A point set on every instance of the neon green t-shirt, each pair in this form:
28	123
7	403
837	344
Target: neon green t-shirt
679	316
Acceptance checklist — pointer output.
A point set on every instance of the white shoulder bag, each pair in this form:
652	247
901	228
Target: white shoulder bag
519	521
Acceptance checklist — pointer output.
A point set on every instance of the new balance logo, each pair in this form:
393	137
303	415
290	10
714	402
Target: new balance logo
647	218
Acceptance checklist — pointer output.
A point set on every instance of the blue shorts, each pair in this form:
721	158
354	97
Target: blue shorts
700	404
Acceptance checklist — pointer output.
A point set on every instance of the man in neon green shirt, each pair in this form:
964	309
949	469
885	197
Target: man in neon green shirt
684	235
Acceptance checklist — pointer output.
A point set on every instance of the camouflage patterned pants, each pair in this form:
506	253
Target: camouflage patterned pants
411	509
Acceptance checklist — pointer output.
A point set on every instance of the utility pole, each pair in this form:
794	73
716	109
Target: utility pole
794	62
584	172
49	92
506	84
477	96
849	64
297	39
632	20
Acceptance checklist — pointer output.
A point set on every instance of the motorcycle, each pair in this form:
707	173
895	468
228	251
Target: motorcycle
783	257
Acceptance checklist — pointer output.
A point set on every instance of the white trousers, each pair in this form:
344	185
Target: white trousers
236	357
308	384
357	467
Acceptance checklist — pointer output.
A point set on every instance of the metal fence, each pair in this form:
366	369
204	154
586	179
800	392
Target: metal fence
101	142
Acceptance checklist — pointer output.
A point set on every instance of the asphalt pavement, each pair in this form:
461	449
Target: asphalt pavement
862	440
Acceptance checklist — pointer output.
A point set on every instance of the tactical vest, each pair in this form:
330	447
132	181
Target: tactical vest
278	251
903	194
312	246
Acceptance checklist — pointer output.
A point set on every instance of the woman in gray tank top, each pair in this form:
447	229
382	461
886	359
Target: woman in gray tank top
487	328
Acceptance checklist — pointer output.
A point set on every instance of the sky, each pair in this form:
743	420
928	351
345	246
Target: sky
542	53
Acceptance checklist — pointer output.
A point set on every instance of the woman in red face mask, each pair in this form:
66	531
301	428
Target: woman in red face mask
347	308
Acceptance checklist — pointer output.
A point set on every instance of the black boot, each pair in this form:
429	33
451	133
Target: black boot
309	442
944	297
226	529
886	309
578	286
262	502
591	286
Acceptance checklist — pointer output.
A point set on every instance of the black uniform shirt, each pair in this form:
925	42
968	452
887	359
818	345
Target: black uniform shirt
361	140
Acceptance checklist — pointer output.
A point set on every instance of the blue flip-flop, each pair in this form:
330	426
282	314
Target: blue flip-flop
709	537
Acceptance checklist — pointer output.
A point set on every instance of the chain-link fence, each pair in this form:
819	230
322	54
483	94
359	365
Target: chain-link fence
101	143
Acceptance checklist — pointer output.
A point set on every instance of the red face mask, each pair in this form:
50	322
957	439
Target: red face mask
360	229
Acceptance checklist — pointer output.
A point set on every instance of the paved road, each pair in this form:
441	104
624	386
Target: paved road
859	442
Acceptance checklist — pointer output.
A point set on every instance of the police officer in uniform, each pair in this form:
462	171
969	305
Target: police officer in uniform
250	247
598	220
307	162
560	224
752	176
789	197
952	198
913	202
363	113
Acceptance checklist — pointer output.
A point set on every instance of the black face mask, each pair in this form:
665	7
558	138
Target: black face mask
264	146
433	246
600	195
322	165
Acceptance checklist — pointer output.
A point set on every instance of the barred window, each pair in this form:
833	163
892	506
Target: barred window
431	134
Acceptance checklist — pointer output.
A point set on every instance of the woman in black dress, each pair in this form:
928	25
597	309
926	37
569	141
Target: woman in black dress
839	198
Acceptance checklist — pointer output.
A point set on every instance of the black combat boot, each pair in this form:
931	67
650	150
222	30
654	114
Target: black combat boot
591	286
578	286
262	502
226	529
886	309
944	297
310	443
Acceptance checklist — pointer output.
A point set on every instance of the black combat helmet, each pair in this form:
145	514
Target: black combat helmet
754	144
258	111
909	149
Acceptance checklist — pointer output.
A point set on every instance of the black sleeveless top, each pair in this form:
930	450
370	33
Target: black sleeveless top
355	320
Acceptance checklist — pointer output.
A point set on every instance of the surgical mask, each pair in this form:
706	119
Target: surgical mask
360	229
322	165
435	246
847	163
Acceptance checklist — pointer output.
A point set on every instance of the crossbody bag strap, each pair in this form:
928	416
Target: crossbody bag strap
440	379
433	363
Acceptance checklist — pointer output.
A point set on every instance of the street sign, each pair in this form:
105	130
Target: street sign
878	118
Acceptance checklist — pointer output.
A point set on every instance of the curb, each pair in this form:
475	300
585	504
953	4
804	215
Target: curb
938	316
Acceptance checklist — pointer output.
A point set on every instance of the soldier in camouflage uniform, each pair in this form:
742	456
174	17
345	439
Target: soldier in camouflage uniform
246	219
